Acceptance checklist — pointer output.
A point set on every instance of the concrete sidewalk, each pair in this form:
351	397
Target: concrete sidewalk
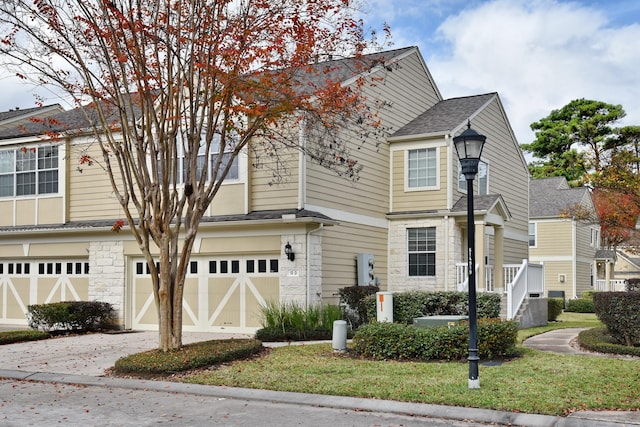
83	359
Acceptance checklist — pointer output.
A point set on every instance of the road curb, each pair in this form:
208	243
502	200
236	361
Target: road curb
318	400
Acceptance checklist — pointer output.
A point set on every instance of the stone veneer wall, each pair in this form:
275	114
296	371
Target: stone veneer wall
448	238
107	275
293	279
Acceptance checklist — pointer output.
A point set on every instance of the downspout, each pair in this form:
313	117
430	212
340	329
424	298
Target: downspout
446	253
574	261
302	163
308	272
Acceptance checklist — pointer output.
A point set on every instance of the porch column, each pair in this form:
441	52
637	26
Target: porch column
480	257
498	270
607	276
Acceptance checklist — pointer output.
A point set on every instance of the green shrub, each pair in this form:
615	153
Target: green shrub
580	305
191	356
588	295
620	313
597	339
292	322
412	304
496	338
69	315
10	337
554	306
633	285
354	297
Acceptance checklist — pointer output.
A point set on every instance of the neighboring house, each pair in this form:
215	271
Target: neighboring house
627	265
407	214
566	245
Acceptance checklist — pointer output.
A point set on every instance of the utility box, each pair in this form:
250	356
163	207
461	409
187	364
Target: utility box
366	274
384	307
434	321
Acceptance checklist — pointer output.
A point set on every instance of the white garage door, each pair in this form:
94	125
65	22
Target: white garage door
39	282
221	293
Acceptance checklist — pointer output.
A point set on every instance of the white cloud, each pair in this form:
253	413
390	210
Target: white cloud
539	55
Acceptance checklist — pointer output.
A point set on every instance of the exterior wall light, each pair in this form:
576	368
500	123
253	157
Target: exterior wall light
289	252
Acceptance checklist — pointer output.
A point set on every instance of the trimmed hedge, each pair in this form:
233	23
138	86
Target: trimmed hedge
580	305
271	334
620	313
383	341
191	356
597	339
10	337
69	315
412	304
554	307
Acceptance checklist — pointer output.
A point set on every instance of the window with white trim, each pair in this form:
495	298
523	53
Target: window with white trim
421	249
533	229
482	177
422	168
29	171
595	238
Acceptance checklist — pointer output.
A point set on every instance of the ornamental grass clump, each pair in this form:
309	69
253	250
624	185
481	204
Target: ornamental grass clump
191	356
292	322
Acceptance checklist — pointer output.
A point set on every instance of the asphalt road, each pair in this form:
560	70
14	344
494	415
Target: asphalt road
26	403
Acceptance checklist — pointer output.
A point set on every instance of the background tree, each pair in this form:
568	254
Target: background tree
579	142
195	80
582	123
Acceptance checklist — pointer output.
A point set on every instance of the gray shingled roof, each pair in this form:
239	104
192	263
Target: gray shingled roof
480	203
17	112
445	115
346	68
81	118
548	197
97	225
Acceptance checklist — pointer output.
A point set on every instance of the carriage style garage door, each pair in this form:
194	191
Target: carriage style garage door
39	282
221	294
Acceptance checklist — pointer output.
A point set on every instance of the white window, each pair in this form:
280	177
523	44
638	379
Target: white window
482	177
29	171
421	244
595	238
532	234
214	152
422	168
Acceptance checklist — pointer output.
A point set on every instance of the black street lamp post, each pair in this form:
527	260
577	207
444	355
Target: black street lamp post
469	146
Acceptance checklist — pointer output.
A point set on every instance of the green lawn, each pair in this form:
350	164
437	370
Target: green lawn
535	382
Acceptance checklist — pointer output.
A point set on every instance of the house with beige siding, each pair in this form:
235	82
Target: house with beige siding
405	218
566	244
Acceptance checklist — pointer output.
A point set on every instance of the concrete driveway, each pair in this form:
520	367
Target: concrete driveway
89	354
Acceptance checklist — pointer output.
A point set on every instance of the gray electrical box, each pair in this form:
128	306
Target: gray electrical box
366	274
433	321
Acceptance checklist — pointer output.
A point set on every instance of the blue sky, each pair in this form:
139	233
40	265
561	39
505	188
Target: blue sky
537	54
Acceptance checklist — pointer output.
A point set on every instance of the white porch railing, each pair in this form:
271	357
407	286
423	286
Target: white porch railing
615	285
509	273
528	280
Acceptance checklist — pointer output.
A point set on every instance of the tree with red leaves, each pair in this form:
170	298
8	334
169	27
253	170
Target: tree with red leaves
203	79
